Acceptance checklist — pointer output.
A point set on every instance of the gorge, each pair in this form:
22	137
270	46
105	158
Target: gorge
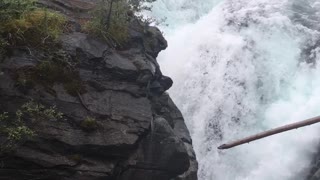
93	106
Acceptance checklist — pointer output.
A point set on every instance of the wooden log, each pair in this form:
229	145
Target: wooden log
271	132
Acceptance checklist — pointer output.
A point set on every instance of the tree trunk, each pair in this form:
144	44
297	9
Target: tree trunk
271	132
109	14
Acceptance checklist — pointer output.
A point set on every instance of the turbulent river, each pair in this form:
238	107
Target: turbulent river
240	67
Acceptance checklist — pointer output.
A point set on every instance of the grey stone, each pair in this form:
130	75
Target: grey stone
90	47
138	133
160	151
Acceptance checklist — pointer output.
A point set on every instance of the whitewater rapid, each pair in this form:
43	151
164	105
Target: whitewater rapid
240	67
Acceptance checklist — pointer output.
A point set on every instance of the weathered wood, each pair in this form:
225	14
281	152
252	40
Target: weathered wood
271	132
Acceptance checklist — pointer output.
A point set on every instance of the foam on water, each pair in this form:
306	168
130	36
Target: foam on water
241	67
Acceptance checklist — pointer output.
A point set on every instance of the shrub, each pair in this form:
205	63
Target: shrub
34	28
38	112
22	23
14	129
110	22
74	87
56	67
89	124
110	19
14	9
59	68
50	71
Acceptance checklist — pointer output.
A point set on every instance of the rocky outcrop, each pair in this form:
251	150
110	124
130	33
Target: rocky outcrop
313	171
138	132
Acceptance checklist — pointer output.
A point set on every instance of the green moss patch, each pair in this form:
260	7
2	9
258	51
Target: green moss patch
22	23
89	124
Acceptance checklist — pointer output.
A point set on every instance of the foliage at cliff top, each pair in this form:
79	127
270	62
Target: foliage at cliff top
110	19
23	23
110	22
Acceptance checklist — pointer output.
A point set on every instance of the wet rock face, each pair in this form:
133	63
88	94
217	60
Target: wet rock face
138	132
313	171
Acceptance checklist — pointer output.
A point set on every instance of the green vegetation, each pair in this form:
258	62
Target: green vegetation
110	19
39	112
74	87
57	67
14	9
60	68
89	124
14	130
23	23
34	27
110	22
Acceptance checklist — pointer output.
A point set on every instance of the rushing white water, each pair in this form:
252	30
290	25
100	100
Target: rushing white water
240	67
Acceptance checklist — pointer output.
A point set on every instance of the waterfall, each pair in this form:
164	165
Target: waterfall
240	67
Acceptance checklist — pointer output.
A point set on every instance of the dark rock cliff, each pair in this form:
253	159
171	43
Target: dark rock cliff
138	134
313	171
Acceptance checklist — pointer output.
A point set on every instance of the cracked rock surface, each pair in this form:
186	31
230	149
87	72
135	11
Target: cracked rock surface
139	133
